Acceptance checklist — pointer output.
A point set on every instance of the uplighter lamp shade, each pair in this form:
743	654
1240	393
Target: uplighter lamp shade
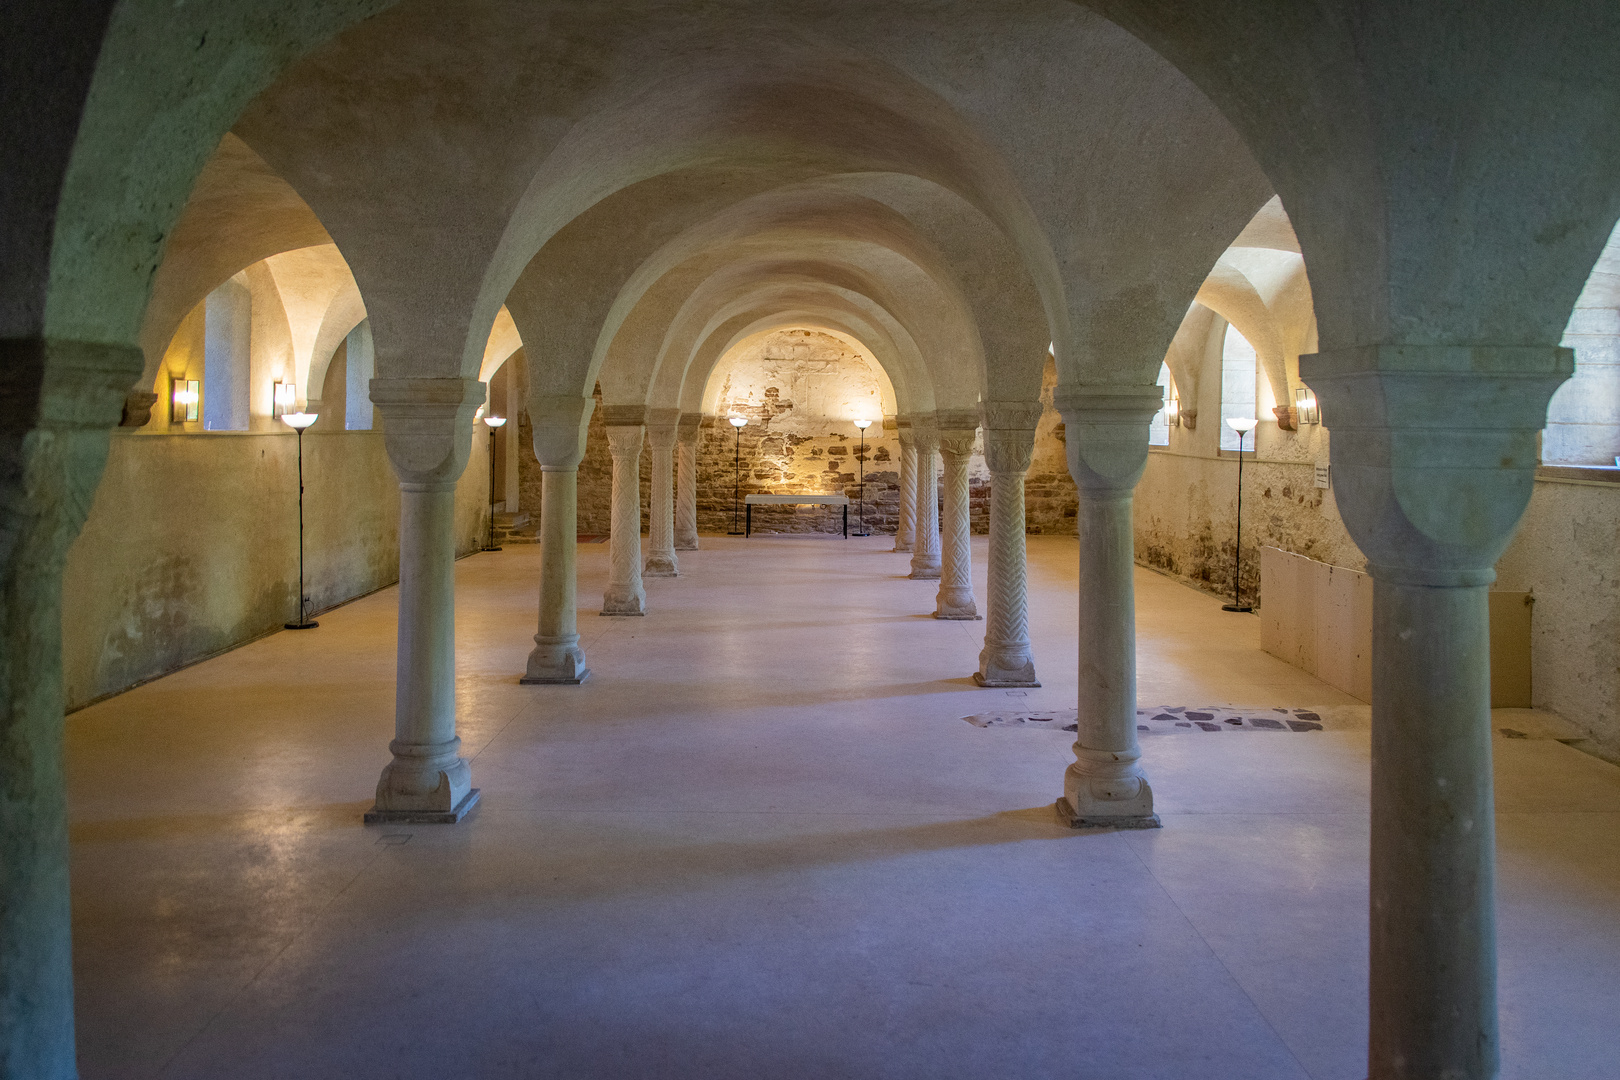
495	421
738	421
1241	424
299	420
863	424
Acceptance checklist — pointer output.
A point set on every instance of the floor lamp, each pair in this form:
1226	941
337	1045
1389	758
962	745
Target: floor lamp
1242	425
298	421
495	423
737	422
860	520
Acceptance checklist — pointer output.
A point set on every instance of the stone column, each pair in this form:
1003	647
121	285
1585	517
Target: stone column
905	529
559	425
427	429
626	427
956	435
687	434
661	561
925	557
61	400
1009	442
1107	438
1434	452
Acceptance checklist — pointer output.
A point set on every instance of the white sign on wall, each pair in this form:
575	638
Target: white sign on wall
1322	474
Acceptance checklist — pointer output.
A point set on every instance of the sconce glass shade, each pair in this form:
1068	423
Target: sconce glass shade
738	421
299	420
1172	412
1305	406
284	396
863	424
1241	424
185	397
495	421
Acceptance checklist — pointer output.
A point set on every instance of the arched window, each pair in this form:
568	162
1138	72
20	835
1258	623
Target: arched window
357	374
1237	385
1159	426
1583	418
227	349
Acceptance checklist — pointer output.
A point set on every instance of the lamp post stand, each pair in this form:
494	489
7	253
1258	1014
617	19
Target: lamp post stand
737	423
495	423
1237	603
860	514
300	421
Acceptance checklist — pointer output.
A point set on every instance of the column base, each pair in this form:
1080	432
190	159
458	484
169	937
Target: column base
624	603
556	662
1113	802
1066	814
1005	668
958	604
425	782
924	573
686	545
898	546
660	566
453	816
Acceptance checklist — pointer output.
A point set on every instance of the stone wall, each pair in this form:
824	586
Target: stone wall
191	546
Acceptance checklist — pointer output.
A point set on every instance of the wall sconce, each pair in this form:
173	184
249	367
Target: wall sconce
1305	408
284	397
1172	411
185	397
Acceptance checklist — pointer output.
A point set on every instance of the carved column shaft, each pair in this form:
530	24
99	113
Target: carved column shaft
559	425
925	557
58	402
688	432
661	559
905	530
955	600
1009	443
428	433
1107	438
625	430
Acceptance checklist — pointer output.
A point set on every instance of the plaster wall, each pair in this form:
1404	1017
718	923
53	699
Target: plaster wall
191	546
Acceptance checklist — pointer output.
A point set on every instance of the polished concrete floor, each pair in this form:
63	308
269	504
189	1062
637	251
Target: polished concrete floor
761	843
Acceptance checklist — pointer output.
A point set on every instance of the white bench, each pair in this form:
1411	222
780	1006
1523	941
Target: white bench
794	500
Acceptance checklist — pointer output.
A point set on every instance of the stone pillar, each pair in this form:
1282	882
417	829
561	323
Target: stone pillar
60	401
626	426
427	429
905	529
956	435
687	434
559	425
661	561
1434	453
1107	438
1009	442
925	557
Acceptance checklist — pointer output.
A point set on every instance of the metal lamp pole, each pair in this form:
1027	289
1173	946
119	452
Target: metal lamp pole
494	422
860	519
1242	425
737	424
298	421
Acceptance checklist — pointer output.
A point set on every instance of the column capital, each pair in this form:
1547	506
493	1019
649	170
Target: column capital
1106	434
427	426
625	439
661	427
1434	450
925	432
957	419
1011	415
558	423
624	415
689	428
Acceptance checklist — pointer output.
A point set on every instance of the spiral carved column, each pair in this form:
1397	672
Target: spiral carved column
661	561
625	430
925	558
1009	442
687	433
955	599
905	530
